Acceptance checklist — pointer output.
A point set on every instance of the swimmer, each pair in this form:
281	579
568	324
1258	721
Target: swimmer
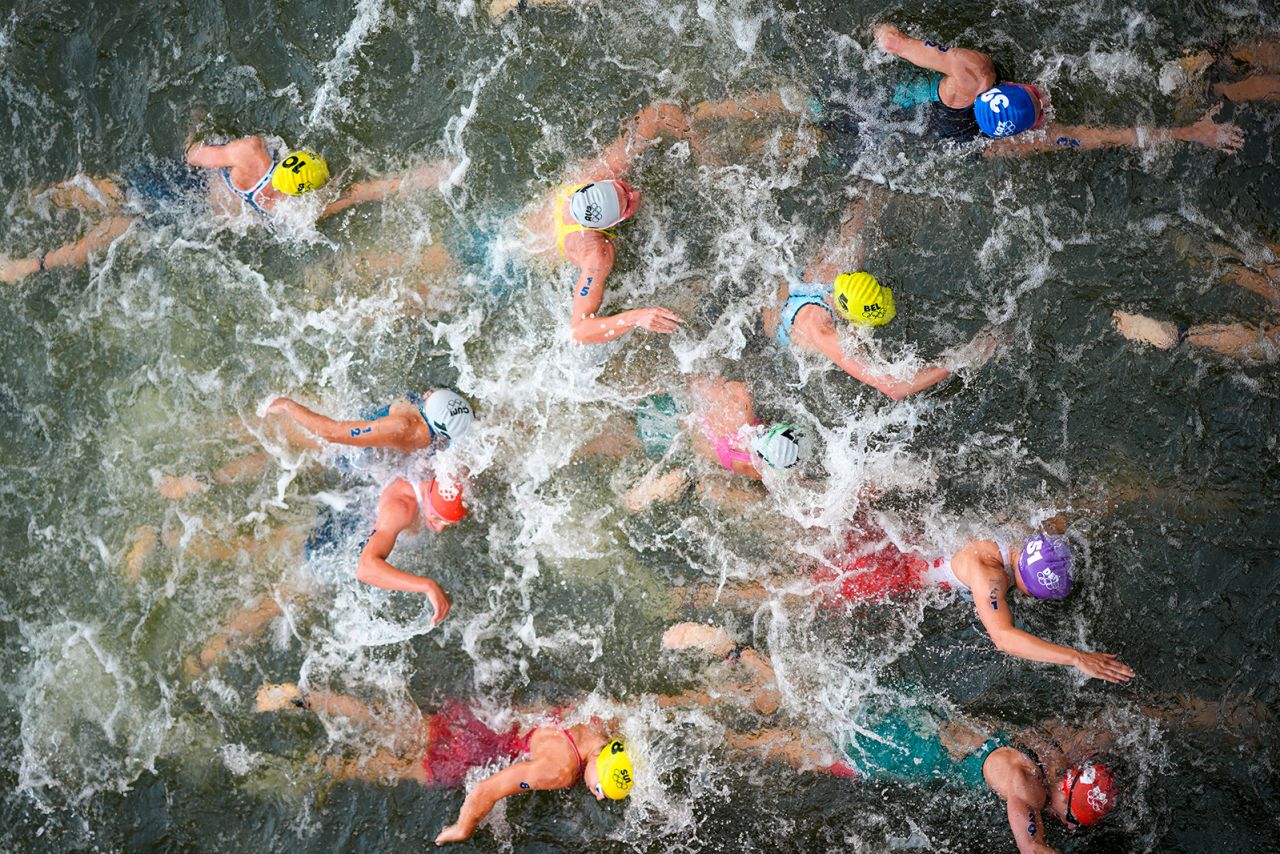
966	96
982	572
412	423
408	505
723	428
447	744
578	222
1240	341
903	739
412	506
833	286
251	178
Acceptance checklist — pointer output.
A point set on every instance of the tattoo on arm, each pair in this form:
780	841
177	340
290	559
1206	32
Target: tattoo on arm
523	784
941	48
1068	142
1031	823
356	431
995	600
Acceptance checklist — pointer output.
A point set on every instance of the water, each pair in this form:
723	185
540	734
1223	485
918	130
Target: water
156	360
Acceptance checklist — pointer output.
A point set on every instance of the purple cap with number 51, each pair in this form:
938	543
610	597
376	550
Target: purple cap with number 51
1045	567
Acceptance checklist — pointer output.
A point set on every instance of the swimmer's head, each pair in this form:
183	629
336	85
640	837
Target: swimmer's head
611	775
862	300
1044	567
301	172
779	446
1087	793
444	500
1008	109
448	414
603	204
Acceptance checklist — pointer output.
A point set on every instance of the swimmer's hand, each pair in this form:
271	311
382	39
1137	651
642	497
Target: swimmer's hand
279	406
452	833
661	120
1224	137
1104	666
889	38
655	319
439	602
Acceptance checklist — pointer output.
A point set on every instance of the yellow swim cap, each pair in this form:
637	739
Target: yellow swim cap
861	299
614	767
301	172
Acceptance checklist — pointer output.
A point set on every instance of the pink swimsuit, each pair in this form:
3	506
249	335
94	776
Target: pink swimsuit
725	446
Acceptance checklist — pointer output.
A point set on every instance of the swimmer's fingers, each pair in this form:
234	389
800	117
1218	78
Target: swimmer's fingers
658	319
1230	138
1105	666
439	603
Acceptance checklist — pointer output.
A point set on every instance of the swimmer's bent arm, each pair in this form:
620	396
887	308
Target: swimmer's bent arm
927	54
388	432
588	295
997	618
218	156
394	515
520	777
895	389
1027	825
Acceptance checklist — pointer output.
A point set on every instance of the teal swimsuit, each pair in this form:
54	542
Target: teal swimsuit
799	295
657	424
905	746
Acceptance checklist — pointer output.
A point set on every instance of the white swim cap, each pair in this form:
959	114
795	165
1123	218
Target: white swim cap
779	446
596	205
448	414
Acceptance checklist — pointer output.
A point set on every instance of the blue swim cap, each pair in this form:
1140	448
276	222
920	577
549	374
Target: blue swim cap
1005	110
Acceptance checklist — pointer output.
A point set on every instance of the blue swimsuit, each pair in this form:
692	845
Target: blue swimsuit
250	197
799	294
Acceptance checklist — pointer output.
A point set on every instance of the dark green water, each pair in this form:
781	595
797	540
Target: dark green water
141	366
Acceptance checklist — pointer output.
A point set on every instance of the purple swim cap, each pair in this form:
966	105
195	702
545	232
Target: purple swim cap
1005	110
1045	567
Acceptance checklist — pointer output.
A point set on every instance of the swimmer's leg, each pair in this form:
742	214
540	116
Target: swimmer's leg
75	254
288	696
745	109
781	745
86	194
1255	87
244	626
616	440
1236	340
734	595
1261	54
654	488
383	765
144	541
498	8
1162	335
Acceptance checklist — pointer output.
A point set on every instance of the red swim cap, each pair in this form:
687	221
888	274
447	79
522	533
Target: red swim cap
1091	793
446	501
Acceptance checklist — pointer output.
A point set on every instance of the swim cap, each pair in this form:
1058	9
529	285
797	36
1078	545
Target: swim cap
861	299
614	767
779	446
446	501
301	172
447	413
1045	567
596	205
1005	110
1091	792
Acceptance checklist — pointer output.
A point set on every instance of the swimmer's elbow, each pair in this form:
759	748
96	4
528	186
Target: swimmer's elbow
368	570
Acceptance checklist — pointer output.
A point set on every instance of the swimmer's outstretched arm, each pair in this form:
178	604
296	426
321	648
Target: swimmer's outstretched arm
1224	137
997	618
396	512
389	432
596	262
427	178
536	773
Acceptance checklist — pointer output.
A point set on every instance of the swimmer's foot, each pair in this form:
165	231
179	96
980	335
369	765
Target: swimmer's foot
977	352
502	8
145	539
178	488
1136	327
275	698
713	640
452	833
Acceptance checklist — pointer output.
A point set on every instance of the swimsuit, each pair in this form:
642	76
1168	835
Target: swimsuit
162	193
726	450
904	745
332	529
250	197
799	295
657	424
564	229
416	399
458	741
876	576
941	573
